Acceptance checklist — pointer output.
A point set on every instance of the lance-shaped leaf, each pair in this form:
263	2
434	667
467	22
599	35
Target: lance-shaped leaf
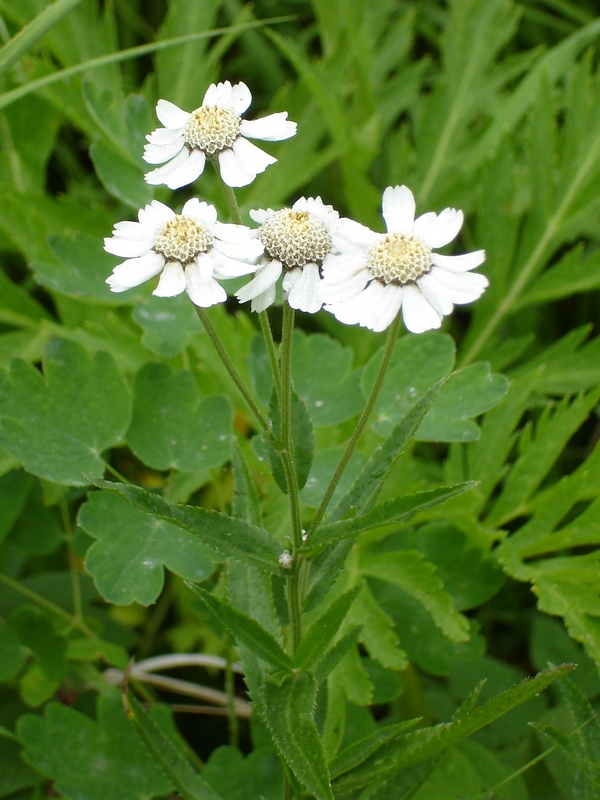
321	633
335	654
303	442
289	714
366	487
184	778
59	424
229	537
417	747
401	509
357	752
245	629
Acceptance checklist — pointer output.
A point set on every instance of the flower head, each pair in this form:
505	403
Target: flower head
375	275
189	250
296	240
215	130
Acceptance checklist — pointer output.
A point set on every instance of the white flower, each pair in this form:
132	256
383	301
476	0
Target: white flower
217	131
377	274
189	250
296	240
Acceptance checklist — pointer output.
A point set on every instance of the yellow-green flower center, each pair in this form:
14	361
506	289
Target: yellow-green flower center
399	258
295	238
182	239
212	128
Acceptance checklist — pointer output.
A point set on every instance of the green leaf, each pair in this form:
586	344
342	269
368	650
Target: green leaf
336	653
289	714
467	393
15	487
402	509
38	531
168	323
35	631
246	630
119	176
110	761
365	489
229	537
13	655
246	502
303	442
172	427
14	774
184	779
133	548
357	752
235	777
378	636
321	633
409	570
417	747
59	425
323	468
82	269
84	649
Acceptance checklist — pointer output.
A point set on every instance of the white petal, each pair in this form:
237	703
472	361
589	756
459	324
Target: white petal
231	172
336	292
115	286
130	230
172	280
159	153
304	294
352	237
440	230
348	311
250	157
398	209
137	270
265	278
217	94
273	128
158	176
201	287
128	248
436	294
230	232
388	307
164	135
461	263
418	314
154	215
226	268
188	172
202	212
342	268
261	215
372	299
314	205
171	115
249	250
461	287
240	98
290	277
264	300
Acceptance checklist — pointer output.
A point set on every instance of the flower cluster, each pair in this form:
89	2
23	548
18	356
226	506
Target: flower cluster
360	276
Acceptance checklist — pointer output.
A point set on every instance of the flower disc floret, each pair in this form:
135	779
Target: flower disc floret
182	239
212	128
399	258
295	238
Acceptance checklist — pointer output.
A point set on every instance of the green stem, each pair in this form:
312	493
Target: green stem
388	350
230	198
51	607
233	373
271	351
116	473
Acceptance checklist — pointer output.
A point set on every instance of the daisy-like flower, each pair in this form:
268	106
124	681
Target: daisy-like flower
188	250
296	240
216	130
377	274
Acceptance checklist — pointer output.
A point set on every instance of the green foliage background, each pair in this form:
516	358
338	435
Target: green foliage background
482	105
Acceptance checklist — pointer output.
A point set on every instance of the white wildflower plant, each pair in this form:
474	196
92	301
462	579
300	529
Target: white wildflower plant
296	241
214	131
374	275
189	250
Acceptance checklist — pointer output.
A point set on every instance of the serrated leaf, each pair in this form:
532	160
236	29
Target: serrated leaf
321	633
172	427
336	653
133	548
229	537
402	509
323	468
246	630
303	442
289	714
185	780
110	762
417	747
356	753
59	425
378	636
245	503
168	323
409	570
